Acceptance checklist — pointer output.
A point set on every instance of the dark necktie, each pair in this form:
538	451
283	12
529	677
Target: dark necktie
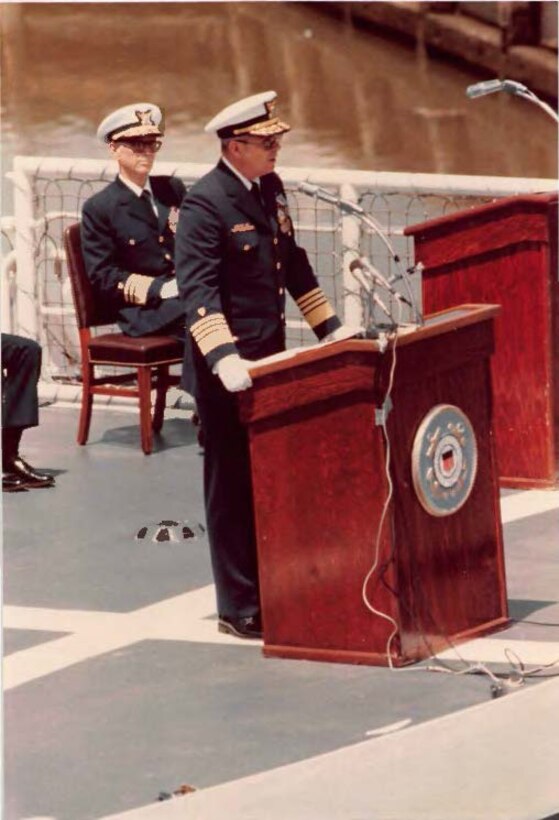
255	191
148	199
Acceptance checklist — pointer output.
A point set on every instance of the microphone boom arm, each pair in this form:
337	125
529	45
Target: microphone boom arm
352	208
404	275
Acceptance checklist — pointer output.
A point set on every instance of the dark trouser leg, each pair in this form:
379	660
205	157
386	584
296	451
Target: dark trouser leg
177	329
229	511
11	436
21	367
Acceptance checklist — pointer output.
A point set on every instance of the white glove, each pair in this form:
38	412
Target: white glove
343	332
233	372
169	290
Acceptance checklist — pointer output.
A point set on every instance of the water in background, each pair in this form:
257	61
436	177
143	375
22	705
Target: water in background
354	99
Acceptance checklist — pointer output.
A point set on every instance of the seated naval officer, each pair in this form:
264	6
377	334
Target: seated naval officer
128	228
236	256
21	368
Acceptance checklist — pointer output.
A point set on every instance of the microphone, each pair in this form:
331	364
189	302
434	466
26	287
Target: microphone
356	210
378	301
364	265
358	272
481	89
490	86
319	193
511	87
332	199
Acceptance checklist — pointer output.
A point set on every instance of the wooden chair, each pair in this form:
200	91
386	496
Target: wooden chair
149	356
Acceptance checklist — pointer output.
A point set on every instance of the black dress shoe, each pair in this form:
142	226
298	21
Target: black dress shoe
247	627
12	483
31	477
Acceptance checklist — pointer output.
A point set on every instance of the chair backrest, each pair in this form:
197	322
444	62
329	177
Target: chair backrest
88	312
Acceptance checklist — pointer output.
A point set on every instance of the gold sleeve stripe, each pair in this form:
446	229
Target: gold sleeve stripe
309	303
315	307
308	297
211	332
213	320
319	315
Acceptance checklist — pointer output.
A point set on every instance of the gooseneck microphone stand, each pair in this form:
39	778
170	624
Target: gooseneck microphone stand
348	207
510	87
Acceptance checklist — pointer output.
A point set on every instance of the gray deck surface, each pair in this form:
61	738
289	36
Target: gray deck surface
118	686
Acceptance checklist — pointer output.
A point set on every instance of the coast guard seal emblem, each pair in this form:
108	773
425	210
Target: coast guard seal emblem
444	460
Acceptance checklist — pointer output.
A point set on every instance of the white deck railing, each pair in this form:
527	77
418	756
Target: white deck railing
49	194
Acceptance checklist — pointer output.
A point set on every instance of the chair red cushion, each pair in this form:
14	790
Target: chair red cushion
116	348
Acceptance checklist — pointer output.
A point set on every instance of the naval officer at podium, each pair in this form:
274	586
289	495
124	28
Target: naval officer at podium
236	256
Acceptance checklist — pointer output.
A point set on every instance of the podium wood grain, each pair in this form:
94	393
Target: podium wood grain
320	485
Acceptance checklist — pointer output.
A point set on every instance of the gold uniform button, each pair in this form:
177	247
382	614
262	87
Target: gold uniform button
168	256
278	265
282	317
280	291
131	241
246	247
161	240
276	240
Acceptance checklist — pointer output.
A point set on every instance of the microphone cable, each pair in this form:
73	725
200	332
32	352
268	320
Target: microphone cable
382	415
500	682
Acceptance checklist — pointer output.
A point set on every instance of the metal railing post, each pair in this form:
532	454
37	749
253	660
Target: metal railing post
8	269
24	243
351	235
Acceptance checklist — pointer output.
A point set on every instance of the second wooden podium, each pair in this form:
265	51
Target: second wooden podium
506	253
360	564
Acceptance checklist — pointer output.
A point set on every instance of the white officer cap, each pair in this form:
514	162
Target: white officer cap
136	120
252	115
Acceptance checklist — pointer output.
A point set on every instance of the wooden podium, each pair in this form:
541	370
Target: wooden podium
318	456
506	253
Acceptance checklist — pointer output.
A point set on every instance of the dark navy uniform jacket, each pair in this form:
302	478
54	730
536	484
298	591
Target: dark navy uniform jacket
235	259
121	235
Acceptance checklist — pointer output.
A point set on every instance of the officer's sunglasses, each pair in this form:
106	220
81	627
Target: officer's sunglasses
141	146
264	142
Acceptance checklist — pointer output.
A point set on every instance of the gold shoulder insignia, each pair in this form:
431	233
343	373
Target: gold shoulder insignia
242	227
